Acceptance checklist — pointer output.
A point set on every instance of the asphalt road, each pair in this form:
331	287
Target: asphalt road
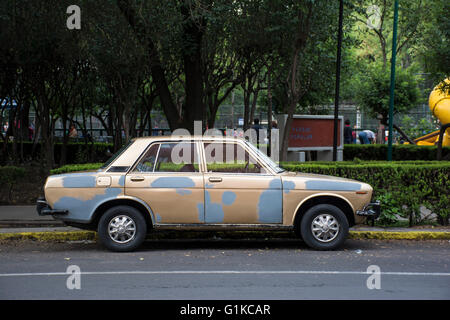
226	269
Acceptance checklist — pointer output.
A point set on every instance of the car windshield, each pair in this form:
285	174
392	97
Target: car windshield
265	158
118	153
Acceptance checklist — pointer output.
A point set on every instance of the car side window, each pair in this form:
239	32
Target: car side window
231	158
177	157
147	163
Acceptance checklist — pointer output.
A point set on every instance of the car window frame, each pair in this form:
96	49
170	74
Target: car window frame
269	171
159	142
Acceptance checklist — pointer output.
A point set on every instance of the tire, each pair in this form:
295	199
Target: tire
122	228
329	235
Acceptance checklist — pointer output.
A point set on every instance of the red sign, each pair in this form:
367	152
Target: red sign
310	132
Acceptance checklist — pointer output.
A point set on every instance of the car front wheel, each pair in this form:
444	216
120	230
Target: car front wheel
324	227
122	228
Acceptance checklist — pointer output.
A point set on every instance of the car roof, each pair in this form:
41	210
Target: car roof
190	138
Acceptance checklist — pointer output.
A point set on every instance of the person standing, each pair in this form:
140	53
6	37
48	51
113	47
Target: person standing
348	133
256	126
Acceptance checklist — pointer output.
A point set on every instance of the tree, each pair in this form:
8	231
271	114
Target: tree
308	58
374	25
188	21
373	89
434	48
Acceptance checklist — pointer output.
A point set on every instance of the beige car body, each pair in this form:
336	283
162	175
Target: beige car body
200	200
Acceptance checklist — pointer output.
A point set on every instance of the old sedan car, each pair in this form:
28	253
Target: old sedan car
194	183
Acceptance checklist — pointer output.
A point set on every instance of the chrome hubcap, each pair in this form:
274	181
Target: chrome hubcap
325	228
122	229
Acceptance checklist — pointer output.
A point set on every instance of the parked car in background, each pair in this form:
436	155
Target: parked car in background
204	183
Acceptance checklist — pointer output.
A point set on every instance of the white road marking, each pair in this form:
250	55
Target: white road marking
439	274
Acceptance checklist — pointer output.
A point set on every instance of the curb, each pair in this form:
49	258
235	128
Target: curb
400	235
50	236
59	236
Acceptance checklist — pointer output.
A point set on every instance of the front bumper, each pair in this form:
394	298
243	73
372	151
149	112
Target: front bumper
372	209
43	208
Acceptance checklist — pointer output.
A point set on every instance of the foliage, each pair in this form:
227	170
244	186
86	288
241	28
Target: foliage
9	175
400	152
373	90
76	167
417	129
374	28
78	152
434	48
404	186
184	58
392	209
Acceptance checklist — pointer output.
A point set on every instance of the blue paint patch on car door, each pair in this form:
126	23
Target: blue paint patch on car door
180	184
270	205
228	198
212	212
288	186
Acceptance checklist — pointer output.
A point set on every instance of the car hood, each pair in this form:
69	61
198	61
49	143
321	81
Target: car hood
310	181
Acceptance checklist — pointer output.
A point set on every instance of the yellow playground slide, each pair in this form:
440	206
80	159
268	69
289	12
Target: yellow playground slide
439	103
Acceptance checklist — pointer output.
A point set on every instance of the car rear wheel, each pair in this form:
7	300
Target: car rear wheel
324	227
122	228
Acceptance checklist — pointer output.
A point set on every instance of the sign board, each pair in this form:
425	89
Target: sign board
314	133
241	121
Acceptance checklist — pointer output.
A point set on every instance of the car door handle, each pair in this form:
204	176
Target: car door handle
215	179
137	178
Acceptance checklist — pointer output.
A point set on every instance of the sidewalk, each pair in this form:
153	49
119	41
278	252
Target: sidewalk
22	222
25	216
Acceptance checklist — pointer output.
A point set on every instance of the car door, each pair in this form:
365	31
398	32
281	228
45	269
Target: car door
238	188
168	179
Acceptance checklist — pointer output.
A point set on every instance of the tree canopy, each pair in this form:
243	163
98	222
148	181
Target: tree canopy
186	57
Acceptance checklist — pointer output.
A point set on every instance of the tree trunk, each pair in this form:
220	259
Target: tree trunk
192	58
63	159
157	71
404	135
287	129
269	111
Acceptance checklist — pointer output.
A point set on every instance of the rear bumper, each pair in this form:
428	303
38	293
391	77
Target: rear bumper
372	209
43	208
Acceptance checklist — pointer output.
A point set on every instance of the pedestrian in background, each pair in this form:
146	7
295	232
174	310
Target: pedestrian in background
256	126
348	133
366	137
73	133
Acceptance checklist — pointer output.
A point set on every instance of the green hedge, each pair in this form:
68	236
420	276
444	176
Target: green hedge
402	187
399	152
9	176
77	152
76	167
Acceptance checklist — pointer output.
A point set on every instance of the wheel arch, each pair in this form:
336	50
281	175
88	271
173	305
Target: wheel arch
333	199
143	208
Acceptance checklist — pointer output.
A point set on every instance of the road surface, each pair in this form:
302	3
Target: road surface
226	269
